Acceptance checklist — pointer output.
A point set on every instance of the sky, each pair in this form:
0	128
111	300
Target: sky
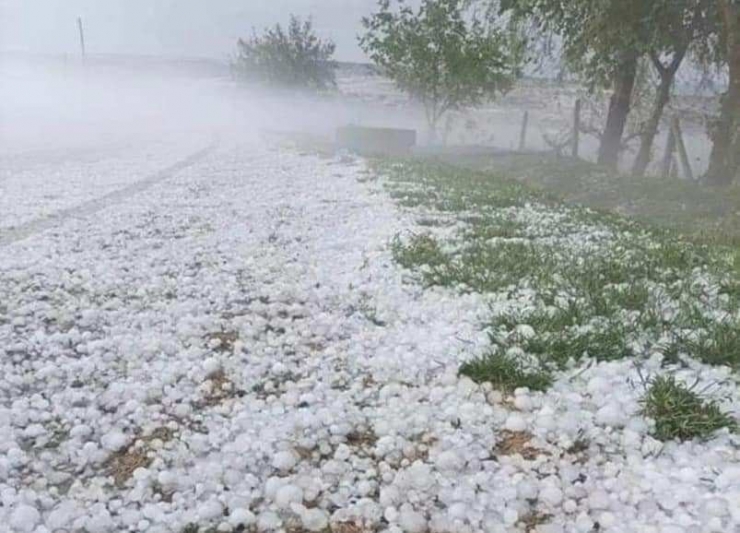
173	28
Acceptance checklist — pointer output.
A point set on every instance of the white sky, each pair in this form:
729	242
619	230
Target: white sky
192	28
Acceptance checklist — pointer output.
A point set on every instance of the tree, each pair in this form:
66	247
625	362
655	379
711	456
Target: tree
603	41
440	55
295	58
724	162
681	25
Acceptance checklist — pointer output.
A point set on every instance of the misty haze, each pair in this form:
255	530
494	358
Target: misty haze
369	266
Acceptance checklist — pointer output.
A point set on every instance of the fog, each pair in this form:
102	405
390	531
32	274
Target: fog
174	28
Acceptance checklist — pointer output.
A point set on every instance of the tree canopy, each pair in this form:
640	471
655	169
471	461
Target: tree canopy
294	57
440	56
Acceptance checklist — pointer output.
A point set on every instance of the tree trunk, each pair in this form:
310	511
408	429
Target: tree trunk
724	161
619	108
667	75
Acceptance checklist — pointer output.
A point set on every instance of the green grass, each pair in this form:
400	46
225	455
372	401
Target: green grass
599	284
719	345
559	348
486	229
704	214
421	249
505	373
680	413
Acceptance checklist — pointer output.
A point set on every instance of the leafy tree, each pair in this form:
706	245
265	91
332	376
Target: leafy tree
724	163
603	41
293	58
680	26
440	55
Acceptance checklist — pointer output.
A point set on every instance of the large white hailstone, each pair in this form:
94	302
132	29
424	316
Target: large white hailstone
284	460
729	477
80	431
211	366
242	517
448	460
61	515
167	479
268	521
24	518
551	495
612	414
523	402
287	495
314	519
596	386
525	331
210	510
584	524
114	440
458	511
411	521
598	499
716	507
515	423
510	516
420	476
100	522
389	495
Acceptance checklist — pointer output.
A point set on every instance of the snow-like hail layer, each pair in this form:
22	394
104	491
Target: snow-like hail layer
234	348
36	185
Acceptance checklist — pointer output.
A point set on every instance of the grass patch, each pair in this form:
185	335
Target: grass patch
505	373
600	285
680	413
421	250
560	348
705	214
718	346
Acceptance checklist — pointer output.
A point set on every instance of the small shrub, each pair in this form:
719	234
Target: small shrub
292	58
680	413
505	373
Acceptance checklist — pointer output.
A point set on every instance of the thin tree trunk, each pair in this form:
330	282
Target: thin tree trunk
667	76
724	161
665	170
619	108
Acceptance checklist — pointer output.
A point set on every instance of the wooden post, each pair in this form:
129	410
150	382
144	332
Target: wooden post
523	134
682	153
665	168
82	37
576	128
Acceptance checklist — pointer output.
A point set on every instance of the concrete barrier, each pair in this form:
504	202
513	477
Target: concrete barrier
376	141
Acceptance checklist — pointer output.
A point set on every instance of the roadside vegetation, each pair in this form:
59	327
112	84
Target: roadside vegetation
571	284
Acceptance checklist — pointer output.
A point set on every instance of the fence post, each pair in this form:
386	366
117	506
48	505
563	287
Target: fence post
682	153
576	127
523	134
82	37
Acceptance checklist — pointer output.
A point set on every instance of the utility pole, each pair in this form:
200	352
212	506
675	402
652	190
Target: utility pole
82	37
